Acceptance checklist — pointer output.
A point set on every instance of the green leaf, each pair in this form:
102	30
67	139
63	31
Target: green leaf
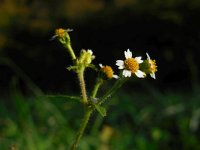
93	67
63	97
74	68
101	110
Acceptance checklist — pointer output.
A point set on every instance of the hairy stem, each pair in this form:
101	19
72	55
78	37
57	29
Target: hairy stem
82	86
84	123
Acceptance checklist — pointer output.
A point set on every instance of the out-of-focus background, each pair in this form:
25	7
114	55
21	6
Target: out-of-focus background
144	114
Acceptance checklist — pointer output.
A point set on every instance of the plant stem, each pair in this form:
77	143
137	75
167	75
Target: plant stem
85	120
70	50
82	85
96	87
114	88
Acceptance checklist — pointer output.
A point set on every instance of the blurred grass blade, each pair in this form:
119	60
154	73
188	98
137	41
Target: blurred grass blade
21	74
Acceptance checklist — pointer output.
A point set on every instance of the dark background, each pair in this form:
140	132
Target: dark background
167	30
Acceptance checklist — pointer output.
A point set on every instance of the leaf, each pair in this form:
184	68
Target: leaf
74	68
101	110
93	67
63	97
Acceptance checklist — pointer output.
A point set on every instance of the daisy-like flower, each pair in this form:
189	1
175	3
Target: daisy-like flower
130	65
108	71
152	67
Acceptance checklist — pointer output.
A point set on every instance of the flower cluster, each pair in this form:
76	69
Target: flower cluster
130	66
137	66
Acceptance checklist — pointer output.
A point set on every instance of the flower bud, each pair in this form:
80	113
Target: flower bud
86	57
62	35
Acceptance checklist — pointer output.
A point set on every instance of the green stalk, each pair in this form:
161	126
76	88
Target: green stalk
112	90
70	50
85	120
99	82
82	85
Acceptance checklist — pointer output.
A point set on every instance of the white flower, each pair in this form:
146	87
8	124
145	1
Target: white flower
130	65
108	71
153	67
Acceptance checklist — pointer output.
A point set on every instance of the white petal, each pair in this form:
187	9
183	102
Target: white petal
140	74
115	76
126	73
100	65
138	59
53	37
148	57
125	53
121	67
120	64
153	75
69	30
128	54
129	74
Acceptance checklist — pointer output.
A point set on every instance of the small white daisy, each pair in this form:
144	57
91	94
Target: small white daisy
108	71
130	65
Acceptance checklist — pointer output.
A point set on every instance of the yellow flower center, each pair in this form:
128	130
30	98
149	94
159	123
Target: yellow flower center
153	67
131	64
108	71
60	32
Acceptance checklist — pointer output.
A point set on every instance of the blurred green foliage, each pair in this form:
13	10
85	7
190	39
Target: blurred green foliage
153	120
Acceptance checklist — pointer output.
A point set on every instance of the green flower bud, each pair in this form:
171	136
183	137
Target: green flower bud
86	57
62	35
